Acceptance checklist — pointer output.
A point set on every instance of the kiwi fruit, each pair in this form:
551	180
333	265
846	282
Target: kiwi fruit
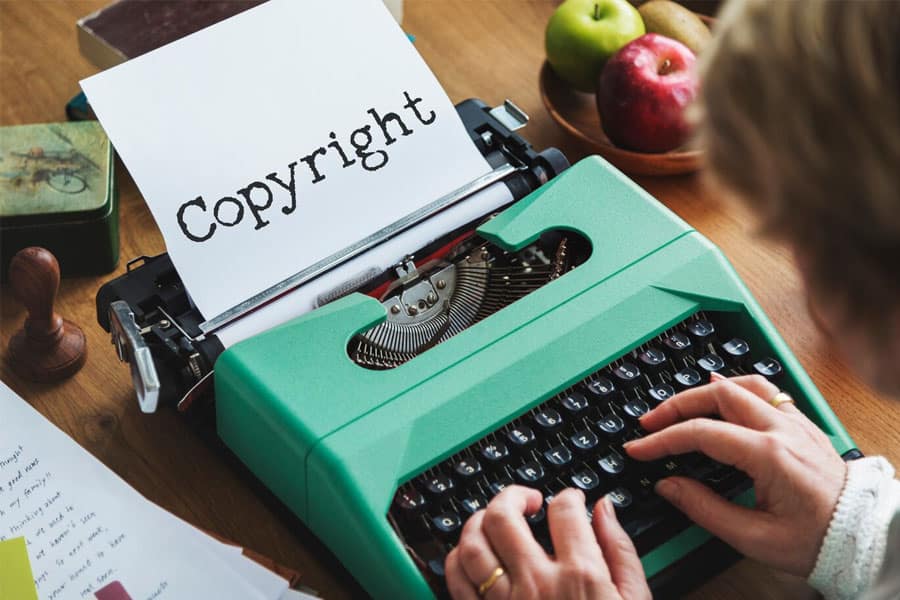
675	21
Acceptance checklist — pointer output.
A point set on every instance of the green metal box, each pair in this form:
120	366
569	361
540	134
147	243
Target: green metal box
58	190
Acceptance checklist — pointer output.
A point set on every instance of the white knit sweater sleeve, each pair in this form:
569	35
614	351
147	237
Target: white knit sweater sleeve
853	551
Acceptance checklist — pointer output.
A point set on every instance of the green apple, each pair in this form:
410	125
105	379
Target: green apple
582	34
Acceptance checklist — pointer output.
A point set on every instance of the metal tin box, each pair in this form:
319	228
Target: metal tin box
58	190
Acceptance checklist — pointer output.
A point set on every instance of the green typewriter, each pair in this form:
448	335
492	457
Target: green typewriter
520	350
385	453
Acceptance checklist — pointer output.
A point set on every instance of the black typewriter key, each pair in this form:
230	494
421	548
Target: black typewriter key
438	485
447	524
627	375
768	367
473	503
652	360
661	393
612	464
503	482
495	452
530	473
585	479
678	344
558	456
688	378
547	419
636	408
736	349
574	402
410	500
621	498
600	387
701	330
584	440
521	437
711	363
436	567
537	518
611	424
467	468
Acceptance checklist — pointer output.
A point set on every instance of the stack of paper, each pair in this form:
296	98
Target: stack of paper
88	534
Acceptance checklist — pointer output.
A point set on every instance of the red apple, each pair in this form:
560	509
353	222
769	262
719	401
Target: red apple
643	91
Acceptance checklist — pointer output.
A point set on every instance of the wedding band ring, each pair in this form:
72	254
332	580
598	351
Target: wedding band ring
781	398
485	587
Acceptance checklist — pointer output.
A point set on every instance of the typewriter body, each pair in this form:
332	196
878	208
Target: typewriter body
521	350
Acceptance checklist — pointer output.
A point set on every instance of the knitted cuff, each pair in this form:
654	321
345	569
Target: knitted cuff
853	549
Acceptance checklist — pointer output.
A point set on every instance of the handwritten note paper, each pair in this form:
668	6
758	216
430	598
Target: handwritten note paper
85	528
278	137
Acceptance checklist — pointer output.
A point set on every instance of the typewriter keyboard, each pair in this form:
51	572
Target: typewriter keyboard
575	439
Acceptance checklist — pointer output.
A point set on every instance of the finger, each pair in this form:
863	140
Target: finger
733	402
746	529
725	442
571	532
618	550
458	583
477	558
765	389
507	531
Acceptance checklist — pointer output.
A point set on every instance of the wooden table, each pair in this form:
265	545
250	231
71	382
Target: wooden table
477	48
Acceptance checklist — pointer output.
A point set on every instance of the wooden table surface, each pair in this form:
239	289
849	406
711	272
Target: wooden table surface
477	48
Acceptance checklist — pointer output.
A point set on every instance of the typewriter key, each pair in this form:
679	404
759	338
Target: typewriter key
768	367
636	408
711	362
652	360
601	387
574	402
621	498
584	440
702	330
661	393
585	479
612	464
530	473
467	468
558	456
611	424
687	378
475	502
679	344
627	375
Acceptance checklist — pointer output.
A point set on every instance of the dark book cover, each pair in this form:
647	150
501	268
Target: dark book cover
129	28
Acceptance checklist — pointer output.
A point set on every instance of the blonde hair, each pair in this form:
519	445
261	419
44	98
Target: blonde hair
799	113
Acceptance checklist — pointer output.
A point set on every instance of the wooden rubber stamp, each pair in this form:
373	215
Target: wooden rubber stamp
47	348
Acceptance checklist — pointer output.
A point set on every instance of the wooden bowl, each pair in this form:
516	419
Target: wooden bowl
576	112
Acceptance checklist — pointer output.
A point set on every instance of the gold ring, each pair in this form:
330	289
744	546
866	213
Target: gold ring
781	398
485	587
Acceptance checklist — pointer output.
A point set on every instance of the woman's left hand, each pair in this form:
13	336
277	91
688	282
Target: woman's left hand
596	562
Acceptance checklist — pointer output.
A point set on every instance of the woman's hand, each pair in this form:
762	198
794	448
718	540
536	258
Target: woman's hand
598	563
797	473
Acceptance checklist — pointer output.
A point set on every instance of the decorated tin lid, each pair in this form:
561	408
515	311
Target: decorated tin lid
54	169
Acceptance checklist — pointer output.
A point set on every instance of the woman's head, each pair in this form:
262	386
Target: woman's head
800	116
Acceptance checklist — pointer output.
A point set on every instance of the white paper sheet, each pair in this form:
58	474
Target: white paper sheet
84	527
211	125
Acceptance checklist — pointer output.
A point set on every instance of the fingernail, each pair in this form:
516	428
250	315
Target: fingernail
629	443
665	487
608	508
716	377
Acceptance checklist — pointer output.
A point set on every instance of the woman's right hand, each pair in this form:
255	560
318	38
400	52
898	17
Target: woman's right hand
797	474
